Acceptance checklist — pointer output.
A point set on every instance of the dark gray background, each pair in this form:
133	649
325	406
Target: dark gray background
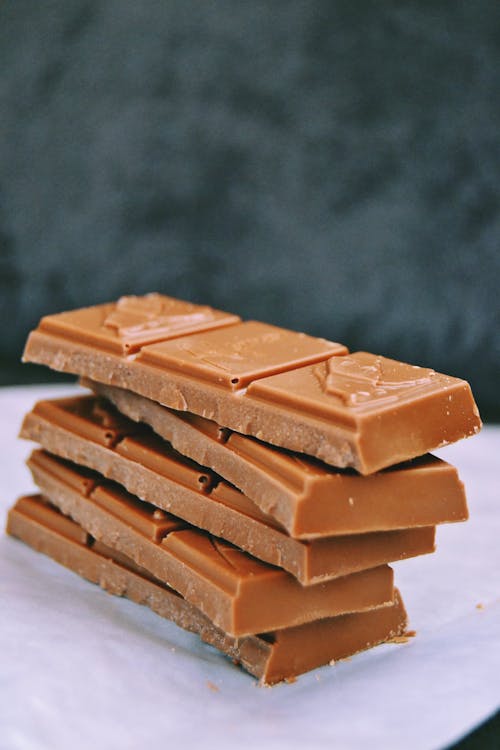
327	166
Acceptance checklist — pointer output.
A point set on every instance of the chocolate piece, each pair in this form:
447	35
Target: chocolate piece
236	357
132	322
147	467
272	657
358	410
309	498
238	593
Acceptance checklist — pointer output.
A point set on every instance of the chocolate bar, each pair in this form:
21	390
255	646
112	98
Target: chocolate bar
238	593
305	394
309	498
85	431
271	657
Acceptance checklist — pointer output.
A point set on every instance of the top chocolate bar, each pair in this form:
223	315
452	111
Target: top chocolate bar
307	394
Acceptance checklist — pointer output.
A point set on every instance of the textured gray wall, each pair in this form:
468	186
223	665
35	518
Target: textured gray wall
327	166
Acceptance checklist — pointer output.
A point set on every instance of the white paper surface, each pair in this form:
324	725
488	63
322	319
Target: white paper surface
82	669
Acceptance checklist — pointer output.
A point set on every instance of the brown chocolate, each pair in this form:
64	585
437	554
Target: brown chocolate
133	322
305	394
238	593
149	468
272	657
309	498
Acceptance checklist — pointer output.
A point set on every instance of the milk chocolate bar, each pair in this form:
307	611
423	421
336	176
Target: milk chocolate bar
238	593
85	431
309	498
271	657
292	390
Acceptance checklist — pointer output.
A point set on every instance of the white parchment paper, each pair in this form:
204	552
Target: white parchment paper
82	669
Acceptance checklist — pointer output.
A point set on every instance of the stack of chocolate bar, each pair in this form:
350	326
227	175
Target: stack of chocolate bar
247	482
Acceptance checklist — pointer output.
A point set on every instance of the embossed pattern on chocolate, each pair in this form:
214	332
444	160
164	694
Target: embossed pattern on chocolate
364	379
348	386
132	322
141	320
